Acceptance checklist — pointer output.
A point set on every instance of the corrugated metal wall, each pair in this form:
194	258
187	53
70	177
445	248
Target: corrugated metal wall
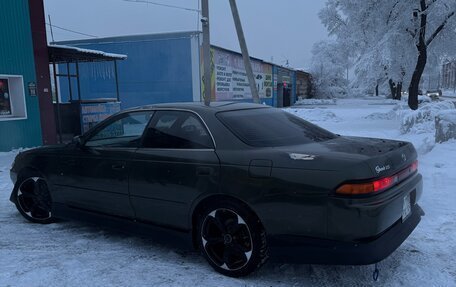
158	70
16	58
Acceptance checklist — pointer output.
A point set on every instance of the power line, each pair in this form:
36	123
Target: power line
69	30
164	5
134	1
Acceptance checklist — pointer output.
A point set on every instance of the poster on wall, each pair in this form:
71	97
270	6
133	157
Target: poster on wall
93	113
231	82
5	101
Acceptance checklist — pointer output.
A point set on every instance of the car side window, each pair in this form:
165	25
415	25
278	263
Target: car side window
126	131
177	130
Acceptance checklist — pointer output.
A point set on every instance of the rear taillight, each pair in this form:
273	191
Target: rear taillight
377	185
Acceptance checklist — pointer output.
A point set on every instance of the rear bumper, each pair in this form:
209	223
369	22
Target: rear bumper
368	251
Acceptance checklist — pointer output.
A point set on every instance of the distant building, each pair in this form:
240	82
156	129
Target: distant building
303	85
166	68
26	111
29	117
449	75
159	68
90	84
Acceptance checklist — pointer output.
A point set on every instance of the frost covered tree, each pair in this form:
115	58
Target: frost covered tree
391	39
328	68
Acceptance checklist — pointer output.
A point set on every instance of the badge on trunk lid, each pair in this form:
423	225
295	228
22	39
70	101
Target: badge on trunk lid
301	156
379	168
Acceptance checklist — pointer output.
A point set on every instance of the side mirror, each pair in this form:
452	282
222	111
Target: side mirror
77	141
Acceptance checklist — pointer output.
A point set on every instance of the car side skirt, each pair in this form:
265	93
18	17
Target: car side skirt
159	234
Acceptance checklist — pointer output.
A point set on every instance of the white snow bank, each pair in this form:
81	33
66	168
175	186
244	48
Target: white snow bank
445	126
314	115
316	102
451	93
422	119
421	99
392	114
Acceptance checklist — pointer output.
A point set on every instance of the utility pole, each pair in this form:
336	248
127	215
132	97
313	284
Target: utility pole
206	52
245	52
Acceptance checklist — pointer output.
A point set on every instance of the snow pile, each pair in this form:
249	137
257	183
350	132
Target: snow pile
380	100
445	126
316	102
392	114
424	99
422	120
421	99
315	115
451	93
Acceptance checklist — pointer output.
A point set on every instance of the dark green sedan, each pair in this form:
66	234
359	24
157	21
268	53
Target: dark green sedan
243	181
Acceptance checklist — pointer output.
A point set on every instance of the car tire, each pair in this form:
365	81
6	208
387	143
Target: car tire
32	198
232	238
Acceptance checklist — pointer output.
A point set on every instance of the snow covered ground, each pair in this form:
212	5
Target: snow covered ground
73	254
449	93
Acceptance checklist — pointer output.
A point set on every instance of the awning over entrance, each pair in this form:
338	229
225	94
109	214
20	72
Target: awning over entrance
70	114
64	54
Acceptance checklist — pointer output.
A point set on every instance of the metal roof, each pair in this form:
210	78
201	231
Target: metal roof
63	54
133	38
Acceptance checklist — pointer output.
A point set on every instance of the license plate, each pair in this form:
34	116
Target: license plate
406	208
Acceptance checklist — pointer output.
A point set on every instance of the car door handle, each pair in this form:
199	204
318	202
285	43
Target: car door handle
118	166
204	171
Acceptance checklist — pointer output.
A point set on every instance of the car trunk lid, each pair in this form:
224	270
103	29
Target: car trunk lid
383	157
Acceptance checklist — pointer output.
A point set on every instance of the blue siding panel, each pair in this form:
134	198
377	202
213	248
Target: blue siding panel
156	71
16	58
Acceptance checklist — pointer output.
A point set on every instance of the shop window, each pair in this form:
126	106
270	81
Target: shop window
12	98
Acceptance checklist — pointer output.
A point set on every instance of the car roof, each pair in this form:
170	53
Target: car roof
213	107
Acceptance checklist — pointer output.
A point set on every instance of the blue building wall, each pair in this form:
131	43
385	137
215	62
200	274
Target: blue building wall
17	59
158	69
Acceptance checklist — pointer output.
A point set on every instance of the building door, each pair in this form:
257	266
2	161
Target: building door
279	95
286	97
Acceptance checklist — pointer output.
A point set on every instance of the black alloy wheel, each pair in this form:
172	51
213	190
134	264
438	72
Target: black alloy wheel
232	240
33	199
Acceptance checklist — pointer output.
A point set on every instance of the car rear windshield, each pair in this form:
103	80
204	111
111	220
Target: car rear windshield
272	127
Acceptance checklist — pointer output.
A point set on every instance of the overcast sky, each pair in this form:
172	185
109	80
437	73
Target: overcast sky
275	29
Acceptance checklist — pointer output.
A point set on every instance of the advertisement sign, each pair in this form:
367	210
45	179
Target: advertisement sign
93	113
231	82
5	101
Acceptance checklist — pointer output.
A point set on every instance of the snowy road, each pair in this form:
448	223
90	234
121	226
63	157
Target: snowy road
72	254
